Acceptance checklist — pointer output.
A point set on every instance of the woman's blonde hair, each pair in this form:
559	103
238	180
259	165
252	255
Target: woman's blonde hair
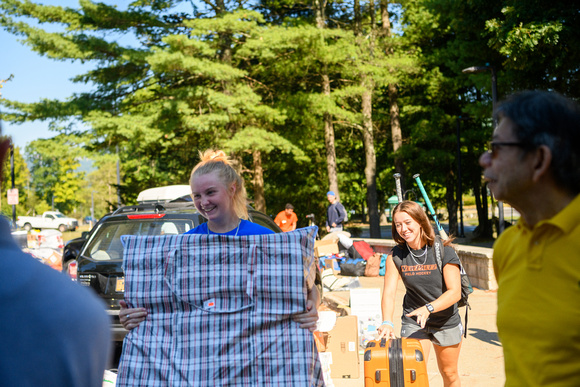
218	161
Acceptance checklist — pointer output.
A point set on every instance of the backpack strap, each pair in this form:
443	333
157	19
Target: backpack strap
438	254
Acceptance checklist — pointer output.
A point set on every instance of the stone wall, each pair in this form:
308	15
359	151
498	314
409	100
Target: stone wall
478	265
477	261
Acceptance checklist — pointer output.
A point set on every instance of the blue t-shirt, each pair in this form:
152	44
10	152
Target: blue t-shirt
245	228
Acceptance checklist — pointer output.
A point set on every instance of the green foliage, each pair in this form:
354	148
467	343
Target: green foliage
169	81
54	172
537	42
101	192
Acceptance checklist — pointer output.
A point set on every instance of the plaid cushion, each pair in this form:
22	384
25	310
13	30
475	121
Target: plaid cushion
219	310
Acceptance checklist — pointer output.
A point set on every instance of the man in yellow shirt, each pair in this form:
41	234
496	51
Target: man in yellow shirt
286	219
534	165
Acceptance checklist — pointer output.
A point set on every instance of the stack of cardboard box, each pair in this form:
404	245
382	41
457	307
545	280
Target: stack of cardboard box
339	343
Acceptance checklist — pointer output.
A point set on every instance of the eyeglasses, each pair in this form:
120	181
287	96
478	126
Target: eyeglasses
494	146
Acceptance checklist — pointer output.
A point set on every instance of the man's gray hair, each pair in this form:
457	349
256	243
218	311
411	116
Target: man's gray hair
550	119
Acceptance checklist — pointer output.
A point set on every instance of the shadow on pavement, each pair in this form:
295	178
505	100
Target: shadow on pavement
483	335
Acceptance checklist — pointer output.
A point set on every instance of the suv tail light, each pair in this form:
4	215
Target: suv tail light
72	270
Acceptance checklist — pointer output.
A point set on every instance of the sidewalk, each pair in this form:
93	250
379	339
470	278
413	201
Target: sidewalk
481	359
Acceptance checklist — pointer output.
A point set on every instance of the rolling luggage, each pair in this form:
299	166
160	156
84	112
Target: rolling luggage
395	363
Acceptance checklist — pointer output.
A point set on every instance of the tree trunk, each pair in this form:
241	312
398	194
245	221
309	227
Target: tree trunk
331	165
484	229
368	85
370	159
357	18
450	198
396	133
319	7
385	29
259	199
225	37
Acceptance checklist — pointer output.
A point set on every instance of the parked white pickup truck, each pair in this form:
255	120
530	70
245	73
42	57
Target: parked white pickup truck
50	219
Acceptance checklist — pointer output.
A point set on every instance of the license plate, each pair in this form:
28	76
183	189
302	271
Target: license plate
120	286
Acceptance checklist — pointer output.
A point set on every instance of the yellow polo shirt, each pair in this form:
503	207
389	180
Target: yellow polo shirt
538	316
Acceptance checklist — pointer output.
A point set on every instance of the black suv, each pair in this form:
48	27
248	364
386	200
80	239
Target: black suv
98	263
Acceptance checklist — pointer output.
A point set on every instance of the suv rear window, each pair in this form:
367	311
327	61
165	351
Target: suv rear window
105	243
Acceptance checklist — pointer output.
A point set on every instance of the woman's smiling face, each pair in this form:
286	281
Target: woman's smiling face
212	198
407	227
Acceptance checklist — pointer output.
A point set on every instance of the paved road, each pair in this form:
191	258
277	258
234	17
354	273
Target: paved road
481	359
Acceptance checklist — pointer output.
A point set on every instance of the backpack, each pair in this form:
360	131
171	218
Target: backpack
373	268
466	288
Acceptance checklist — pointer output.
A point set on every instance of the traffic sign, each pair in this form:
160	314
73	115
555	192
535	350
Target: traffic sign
13	196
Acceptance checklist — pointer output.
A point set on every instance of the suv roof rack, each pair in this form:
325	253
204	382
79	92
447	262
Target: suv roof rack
169	193
157	207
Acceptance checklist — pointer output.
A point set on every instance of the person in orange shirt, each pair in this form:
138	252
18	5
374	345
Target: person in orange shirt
287	219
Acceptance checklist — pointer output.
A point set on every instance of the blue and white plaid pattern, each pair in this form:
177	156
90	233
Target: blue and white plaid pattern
219	310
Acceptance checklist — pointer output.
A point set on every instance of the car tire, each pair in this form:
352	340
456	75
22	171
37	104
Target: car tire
27	227
62	228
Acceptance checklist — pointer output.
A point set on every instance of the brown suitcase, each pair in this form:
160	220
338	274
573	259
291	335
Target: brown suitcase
395	363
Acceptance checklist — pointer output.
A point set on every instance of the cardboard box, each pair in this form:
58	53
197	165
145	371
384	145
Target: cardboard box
342	343
326	247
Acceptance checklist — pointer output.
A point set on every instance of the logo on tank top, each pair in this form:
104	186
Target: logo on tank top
417	269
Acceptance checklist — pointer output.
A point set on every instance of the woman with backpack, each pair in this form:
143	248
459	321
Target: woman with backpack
430	311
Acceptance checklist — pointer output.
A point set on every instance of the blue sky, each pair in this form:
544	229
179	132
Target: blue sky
35	78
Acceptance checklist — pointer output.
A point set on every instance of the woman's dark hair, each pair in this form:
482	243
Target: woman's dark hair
550	119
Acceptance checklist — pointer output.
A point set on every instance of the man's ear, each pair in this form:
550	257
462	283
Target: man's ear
4	147
542	162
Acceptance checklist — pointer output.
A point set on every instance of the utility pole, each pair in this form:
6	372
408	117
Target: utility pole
92	208
118	178
12	178
459	183
491	69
